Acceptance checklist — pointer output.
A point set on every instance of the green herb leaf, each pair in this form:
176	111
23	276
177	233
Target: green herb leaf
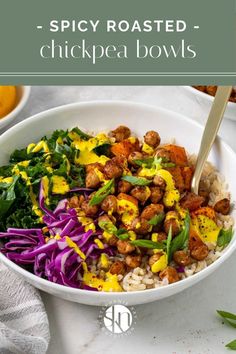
62	168
112	229
228	317
168	242
36	170
102	149
145	162
232	345
163	162
136	181
102	193
5	171
66	150
81	134
224	237
122	234
52	140
148	244
22	155
122	230
108	227
181	240
8	197
77	174
232	324
5	185
157	219
22	218
168	164
152	162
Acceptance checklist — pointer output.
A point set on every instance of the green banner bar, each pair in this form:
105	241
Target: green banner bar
125	42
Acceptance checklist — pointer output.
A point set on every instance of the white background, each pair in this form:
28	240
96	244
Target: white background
182	324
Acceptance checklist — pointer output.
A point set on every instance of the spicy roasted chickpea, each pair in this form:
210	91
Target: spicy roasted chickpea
152	138
112	170
109	204
121	133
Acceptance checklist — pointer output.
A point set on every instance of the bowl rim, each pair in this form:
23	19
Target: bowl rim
76	291
207	96
20	105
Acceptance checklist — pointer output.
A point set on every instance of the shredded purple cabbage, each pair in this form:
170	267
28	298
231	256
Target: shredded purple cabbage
180	269
79	189
47	250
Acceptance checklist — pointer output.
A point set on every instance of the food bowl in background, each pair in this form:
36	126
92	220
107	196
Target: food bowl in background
206	101
105	115
22	95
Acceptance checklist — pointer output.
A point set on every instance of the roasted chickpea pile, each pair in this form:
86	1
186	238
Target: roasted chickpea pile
211	90
140	198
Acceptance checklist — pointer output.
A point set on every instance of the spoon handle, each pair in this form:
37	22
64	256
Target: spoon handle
212	126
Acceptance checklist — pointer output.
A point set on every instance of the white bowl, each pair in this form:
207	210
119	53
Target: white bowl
206	101
22	95
140	118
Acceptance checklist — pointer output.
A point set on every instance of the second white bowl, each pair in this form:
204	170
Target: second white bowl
206	101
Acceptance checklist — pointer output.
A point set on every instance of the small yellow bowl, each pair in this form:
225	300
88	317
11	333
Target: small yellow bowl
22	95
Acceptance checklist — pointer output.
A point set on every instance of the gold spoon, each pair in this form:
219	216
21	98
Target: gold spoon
212	126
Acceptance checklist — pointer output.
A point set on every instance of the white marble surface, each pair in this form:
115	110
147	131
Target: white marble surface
183	324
